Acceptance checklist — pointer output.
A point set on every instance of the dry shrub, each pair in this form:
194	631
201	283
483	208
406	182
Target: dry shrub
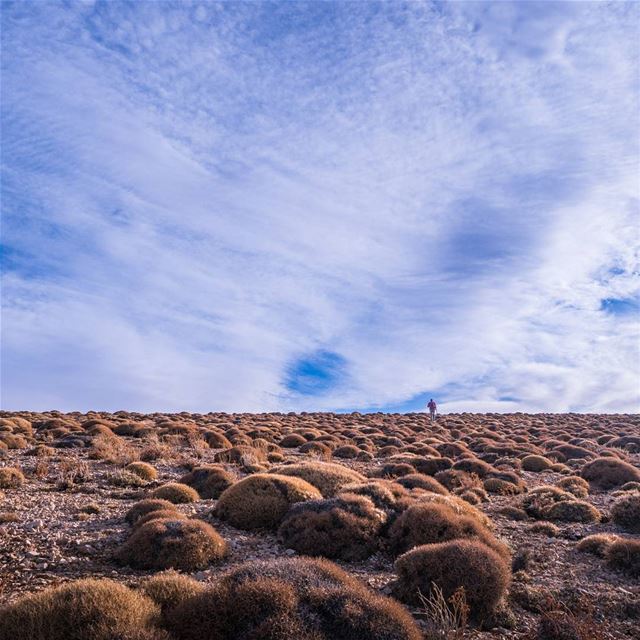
459	506
170	588
596	544
545	528
345	527
445	618
422	481
9	516
71	473
156	451
42	451
347	451
384	494
175	492
536	463
292	441
318	449
538	500
480	571
158	515
452	479
170	543
123	478
11	478
432	523
503	487
575	485
626	512
572	511
562	624
242	454
286	599
624	555
261	500
327	477
513	513
630	486
216	440
99	609
607	473
473	466
142	508
142	470
209	480
114	450
394	470
431	465
14	441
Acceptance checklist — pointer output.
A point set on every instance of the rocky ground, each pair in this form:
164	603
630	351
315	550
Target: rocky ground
67	519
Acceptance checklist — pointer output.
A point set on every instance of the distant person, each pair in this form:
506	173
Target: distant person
432	409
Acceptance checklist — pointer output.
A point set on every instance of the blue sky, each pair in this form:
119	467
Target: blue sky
320	206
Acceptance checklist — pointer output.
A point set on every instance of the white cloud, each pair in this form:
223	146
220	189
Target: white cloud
208	195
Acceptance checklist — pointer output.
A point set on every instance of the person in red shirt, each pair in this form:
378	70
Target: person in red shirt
432	409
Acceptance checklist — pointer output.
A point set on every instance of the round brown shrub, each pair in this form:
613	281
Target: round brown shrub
170	588
242	454
260	501
384	494
209	480
513	513
474	466
626	512
142	508
575	485
597	543
545	528
170	543
432	465
422	481
292	440
14	441
142	470
538	500
327	477
175	492
319	449
624	555
630	486
469	564
452	479
432	523
347	451
293	598
536	463
503	487
216	440
11	478
572	511
102	608
160	514
607	473
344	527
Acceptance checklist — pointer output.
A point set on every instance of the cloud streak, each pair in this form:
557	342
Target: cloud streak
200	198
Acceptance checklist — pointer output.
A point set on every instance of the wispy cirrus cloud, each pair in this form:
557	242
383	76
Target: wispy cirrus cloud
202	199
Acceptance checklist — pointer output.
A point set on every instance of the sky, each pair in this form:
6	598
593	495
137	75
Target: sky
337	206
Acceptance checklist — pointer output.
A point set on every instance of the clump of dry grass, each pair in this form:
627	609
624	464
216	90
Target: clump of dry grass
175	492
11	478
596	544
71	473
445	618
172	543
623	554
469	564
545	528
536	463
103	609
626	512
327	477
344	527
607	473
291	598
261	501
170	588
572	511
142	470
142	508
575	485
431	523
113	449
209	480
